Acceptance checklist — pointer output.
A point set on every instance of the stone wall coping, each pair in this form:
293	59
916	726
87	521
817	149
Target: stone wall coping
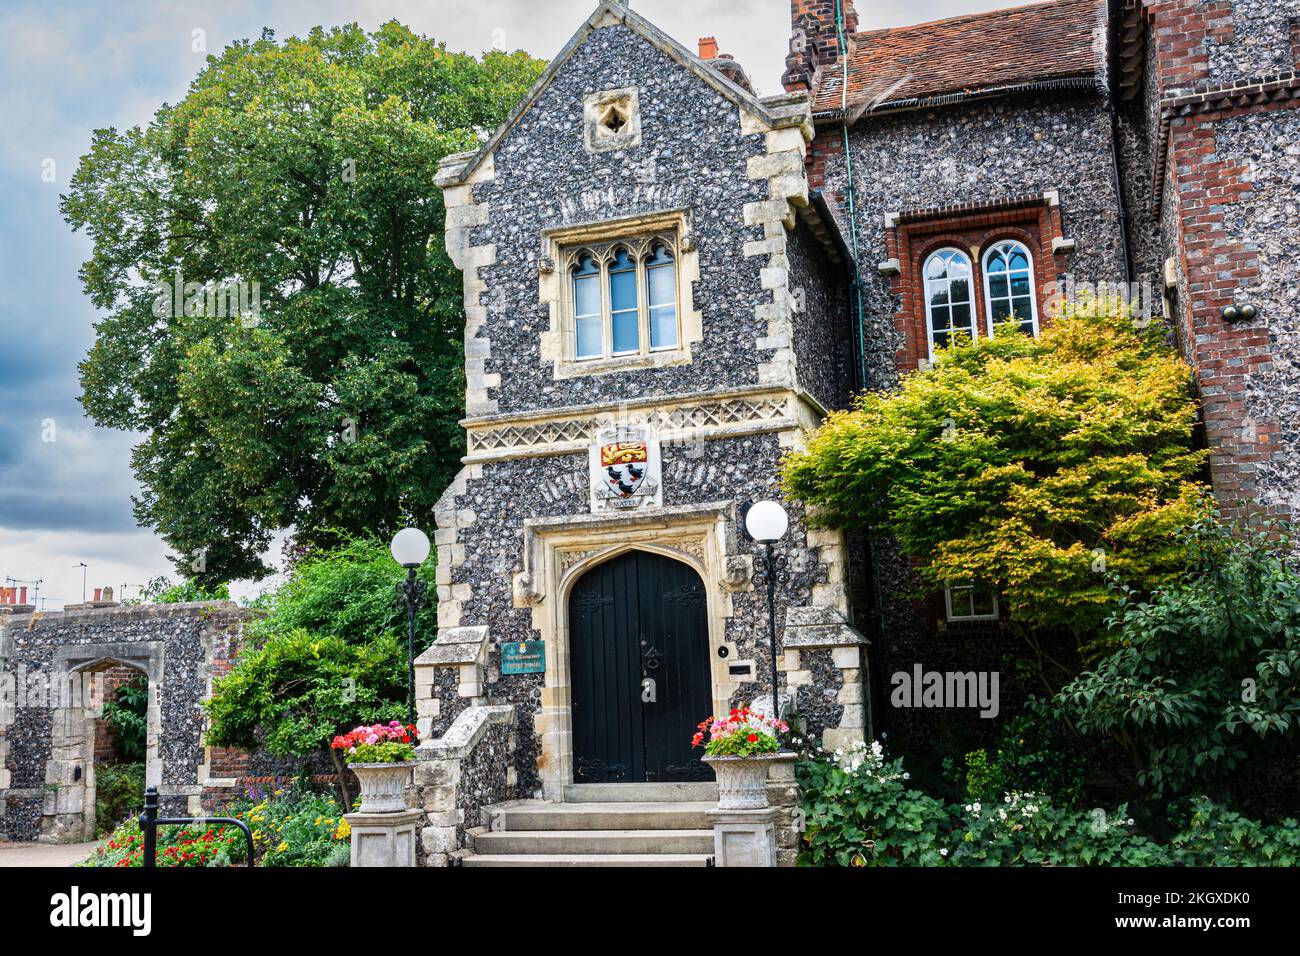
35	620
821	626
465	732
454	646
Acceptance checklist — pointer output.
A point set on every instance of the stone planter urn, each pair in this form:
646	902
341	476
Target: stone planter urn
742	781
383	786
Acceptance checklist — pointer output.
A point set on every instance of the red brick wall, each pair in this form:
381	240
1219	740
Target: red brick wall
1218	273
109	682
1182	28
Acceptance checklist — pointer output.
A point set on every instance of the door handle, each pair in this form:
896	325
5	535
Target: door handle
652	658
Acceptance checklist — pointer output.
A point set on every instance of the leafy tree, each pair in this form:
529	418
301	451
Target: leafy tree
160	590
1205	683
348	591
306	167
1026	465
295	692
329	654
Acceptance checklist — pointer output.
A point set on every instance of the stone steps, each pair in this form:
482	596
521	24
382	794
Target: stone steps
595	841
641	793
612	832
590	859
538	815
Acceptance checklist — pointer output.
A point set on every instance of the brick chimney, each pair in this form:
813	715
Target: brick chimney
815	41
724	63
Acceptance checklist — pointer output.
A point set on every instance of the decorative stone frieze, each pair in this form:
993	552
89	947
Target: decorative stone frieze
680	419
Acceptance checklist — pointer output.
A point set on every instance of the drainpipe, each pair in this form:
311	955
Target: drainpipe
855	297
1120	205
1119	191
855	288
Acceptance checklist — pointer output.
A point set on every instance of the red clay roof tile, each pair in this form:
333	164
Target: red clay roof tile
1041	41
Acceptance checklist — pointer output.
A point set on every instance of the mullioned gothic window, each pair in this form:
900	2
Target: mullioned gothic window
623	298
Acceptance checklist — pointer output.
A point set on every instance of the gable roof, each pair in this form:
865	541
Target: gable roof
1057	40
776	111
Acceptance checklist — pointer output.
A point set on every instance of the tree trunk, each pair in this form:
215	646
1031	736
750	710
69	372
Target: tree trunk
342	771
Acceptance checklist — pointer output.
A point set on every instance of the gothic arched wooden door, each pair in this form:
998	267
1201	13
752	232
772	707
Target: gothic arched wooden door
639	660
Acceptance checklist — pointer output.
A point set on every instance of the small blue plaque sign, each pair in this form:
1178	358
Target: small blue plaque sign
523	657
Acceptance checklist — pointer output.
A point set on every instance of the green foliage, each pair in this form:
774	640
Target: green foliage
860	811
306	166
294	827
188	846
388	752
1016	462
127	714
983	777
289	828
329	654
347	591
297	690
160	590
119	792
1206	678
1217	836
1038	753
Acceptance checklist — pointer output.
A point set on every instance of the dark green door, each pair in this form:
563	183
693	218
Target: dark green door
638	645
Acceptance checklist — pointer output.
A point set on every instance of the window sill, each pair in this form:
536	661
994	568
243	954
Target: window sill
666	358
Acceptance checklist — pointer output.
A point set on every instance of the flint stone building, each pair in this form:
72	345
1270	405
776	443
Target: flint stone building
669	280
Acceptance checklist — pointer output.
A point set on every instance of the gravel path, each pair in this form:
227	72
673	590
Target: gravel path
44	854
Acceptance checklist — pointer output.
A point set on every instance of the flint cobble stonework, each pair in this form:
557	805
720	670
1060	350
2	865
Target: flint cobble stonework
47	722
974	156
545	179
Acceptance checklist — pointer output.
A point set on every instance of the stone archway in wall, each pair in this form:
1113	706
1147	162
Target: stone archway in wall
110	682
68	814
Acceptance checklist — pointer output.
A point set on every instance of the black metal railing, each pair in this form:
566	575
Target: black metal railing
150	822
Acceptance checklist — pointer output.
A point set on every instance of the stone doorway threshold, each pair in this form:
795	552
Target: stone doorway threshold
641	793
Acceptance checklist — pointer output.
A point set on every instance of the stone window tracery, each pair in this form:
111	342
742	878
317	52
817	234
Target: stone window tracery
623	298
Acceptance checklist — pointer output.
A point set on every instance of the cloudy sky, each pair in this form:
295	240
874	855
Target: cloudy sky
65	485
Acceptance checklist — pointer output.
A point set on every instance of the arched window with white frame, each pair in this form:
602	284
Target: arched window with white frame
949	303
1009	287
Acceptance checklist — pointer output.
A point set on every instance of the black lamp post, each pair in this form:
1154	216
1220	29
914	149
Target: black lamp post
410	547
766	522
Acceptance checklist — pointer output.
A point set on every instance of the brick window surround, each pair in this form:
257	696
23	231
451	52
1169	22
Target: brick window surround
913	236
